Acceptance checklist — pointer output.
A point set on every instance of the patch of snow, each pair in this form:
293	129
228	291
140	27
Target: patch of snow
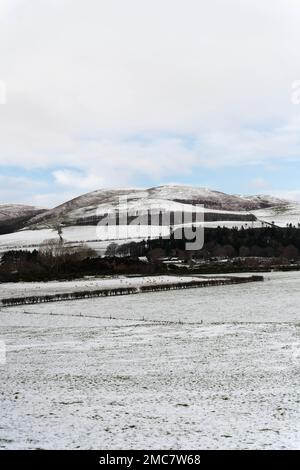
280	215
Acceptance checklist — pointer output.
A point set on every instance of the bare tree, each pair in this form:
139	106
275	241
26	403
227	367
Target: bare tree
57	249
56	226
111	250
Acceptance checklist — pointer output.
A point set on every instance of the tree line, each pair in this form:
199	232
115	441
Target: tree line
266	242
58	261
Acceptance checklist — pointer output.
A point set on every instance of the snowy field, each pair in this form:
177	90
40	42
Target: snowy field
95	237
98	238
201	368
22	289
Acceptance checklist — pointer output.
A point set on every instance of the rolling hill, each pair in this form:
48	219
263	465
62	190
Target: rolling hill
15	216
27	227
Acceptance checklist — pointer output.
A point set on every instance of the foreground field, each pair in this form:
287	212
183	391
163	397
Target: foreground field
211	368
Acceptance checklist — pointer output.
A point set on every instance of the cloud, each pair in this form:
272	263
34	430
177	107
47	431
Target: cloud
14	189
289	194
50	199
115	92
76	179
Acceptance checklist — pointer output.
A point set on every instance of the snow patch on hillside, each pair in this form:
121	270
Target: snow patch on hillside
281	215
13	211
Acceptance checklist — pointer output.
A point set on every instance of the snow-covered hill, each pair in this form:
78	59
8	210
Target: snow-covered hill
14	216
78	218
263	200
10	211
281	215
171	197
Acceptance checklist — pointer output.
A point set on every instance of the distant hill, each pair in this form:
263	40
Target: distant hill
14	216
170	197
29	227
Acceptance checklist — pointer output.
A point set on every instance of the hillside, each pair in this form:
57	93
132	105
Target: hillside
28	227
281	215
169	198
14	216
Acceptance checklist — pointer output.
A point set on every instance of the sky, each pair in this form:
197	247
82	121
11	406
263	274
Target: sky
139	93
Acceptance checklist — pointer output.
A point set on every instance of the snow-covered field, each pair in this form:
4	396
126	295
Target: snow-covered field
99	238
95	237
145	372
109	282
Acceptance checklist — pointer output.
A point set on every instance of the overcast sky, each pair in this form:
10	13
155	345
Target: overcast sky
110	93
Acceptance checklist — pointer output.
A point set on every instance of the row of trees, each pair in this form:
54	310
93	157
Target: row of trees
56	261
267	242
